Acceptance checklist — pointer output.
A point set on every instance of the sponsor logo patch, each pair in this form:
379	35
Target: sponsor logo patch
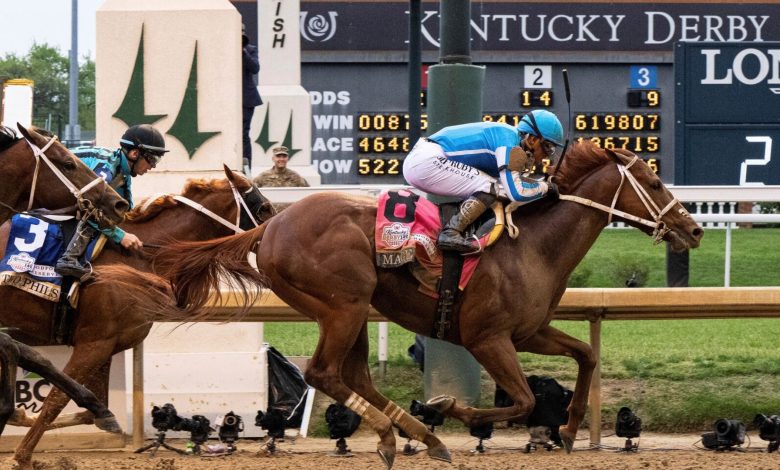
395	235
21	262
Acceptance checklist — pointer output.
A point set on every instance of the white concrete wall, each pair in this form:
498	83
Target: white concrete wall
171	30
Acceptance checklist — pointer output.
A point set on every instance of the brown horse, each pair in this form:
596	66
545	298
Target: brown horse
14	353
37	171
107	321
318	256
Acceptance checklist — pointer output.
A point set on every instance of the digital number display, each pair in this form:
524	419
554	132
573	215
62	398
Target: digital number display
609	122
383	144
384	122
536	98
636	144
379	166
643	98
506	118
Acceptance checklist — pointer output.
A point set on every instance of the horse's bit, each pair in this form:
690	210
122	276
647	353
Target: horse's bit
84	205
659	228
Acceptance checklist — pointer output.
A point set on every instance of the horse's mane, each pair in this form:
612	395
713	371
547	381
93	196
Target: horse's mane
582	158
144	212
7	137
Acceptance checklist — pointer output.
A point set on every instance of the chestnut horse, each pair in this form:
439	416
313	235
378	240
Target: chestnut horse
318	256
37	171
107	321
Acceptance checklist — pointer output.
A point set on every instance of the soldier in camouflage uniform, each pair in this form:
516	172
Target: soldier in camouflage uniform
279	175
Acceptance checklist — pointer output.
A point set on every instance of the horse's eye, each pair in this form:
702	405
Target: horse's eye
69	164
656	184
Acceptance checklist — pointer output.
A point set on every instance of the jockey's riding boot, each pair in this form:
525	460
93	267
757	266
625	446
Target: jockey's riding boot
451	236
69	264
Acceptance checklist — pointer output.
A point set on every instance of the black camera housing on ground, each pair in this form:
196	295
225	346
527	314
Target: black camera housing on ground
231	426
628	424
342	422
428	415
727	434
768	430
198	426
272	421
165	417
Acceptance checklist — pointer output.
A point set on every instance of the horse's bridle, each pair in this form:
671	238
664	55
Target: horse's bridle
659	228
84	205
240	204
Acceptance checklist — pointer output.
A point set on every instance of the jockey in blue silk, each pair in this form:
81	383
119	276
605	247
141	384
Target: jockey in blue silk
481	161
141	148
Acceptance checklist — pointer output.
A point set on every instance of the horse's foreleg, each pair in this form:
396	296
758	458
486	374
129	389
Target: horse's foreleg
358	378
84	363
552	342
30	359
499	358
8	360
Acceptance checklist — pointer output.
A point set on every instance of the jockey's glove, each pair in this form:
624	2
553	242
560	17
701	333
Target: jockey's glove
552	191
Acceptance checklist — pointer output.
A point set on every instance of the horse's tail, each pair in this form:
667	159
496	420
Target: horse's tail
145	292
195	269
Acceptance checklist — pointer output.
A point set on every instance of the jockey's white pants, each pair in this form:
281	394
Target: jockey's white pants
427	168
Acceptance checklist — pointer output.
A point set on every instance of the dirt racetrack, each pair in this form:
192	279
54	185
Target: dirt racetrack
504	451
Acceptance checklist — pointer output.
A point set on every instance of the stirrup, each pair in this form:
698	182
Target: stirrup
479	249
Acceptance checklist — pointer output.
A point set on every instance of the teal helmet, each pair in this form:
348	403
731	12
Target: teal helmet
544	124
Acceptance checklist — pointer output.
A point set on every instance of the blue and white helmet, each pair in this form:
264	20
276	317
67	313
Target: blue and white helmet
544	124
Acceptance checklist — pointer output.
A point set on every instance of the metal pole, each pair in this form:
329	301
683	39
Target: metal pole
138	395
383	339
594	395
73	132
415	71
727	268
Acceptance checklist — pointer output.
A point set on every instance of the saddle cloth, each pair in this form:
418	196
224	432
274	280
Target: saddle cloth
33	248
407	227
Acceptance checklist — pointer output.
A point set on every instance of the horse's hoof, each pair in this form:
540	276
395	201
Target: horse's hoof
109	424
567	439
21	465
440	452
388	457
442	403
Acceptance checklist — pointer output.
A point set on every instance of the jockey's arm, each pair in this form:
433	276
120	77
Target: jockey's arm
515	186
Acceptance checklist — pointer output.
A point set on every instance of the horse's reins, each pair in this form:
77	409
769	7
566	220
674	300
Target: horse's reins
240	204
659	228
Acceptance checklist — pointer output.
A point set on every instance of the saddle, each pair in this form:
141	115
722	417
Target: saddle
34	245
407	228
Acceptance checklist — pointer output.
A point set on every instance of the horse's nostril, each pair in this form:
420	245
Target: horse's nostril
697	233
121	207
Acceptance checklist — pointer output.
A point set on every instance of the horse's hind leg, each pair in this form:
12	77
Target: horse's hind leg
8	362
552	342
499	358
358	378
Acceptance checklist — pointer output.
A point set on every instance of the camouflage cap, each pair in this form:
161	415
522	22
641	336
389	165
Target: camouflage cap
281	150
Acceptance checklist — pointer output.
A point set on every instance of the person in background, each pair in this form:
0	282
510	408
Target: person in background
481	161
140	150
250	96
279	175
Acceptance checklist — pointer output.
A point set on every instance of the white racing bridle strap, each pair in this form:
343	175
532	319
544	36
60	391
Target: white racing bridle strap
40	154
200	208
659	229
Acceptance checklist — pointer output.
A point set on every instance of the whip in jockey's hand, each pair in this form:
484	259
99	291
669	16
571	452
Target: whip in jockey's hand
479	162
141	148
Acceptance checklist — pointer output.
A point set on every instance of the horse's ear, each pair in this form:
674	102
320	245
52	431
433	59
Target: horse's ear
27	134
614	156
228	172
